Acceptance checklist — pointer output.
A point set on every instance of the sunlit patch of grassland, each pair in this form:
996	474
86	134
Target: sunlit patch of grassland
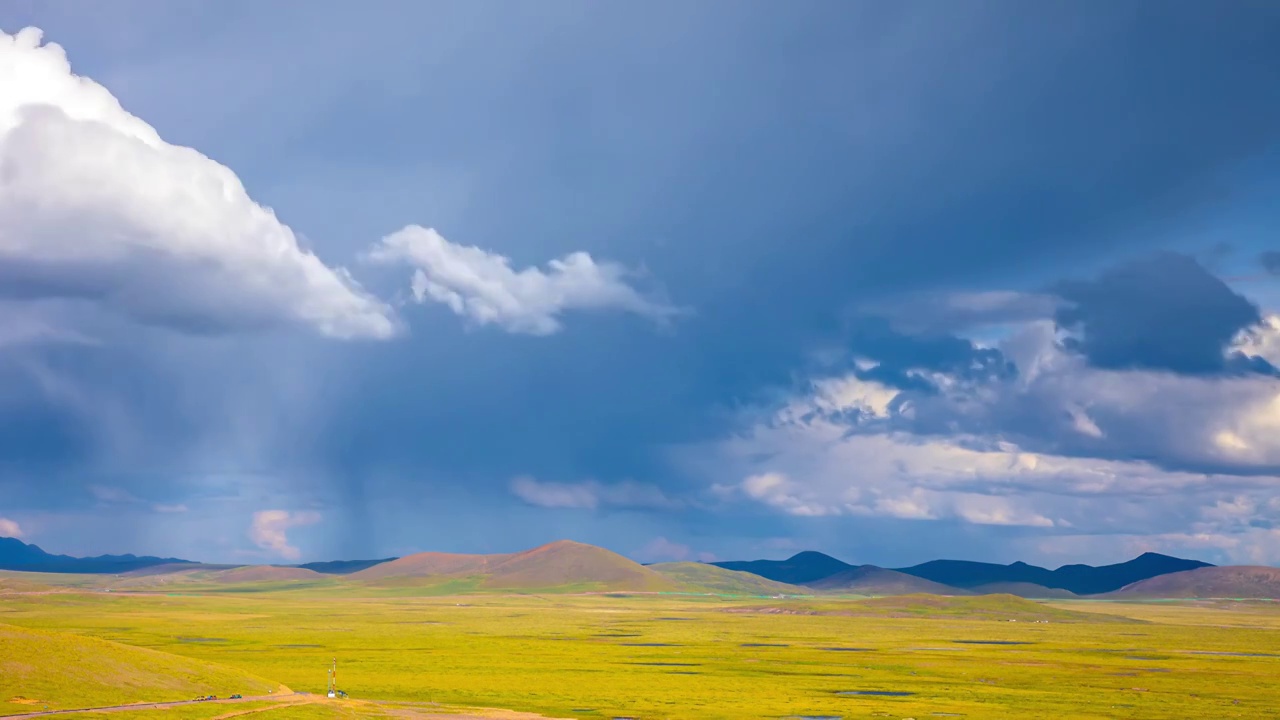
664	656
59	670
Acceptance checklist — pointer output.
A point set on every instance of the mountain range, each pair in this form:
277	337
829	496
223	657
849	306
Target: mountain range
567	566
823	571
17	555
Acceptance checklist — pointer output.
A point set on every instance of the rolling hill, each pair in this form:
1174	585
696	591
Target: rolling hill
429	564
801	568
17	555
563	564
264	573
872	580
9	584
64	671
1024	590
1233	581
570	563
708	578
1079	579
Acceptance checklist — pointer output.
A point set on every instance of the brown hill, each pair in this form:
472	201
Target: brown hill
557	565
565	562
430	564
1023	590
872	580
1232	581
264	573
707	578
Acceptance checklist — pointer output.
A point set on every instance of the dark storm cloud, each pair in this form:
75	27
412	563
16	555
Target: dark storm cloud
1165	312
1270	261
771	165
896	354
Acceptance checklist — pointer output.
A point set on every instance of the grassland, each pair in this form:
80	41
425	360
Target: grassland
667	656
38	667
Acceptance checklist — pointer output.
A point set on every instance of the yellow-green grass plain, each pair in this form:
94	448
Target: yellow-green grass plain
672	656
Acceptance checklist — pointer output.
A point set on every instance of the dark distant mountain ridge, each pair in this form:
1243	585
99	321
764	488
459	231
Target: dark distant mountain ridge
811	568
1079	579
17	555
799	569
342	567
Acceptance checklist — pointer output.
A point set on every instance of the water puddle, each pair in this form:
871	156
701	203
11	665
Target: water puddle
666	664
993	642
1231	654
877	693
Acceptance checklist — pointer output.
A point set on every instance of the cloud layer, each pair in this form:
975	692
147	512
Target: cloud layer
482	286
96	205
1068	437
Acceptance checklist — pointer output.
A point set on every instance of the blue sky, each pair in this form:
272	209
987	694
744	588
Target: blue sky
725	279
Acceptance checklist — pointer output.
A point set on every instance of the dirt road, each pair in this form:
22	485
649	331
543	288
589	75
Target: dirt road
414	711
283	698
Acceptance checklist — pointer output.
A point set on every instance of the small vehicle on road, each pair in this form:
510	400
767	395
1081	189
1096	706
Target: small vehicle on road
237	696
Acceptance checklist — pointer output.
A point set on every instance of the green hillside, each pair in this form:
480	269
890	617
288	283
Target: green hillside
62	671
1024	590
701	577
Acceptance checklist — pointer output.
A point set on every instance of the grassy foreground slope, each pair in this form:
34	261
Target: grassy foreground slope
707	578
59	670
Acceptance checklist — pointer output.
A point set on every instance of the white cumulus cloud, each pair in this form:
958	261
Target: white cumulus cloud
1260	341
95	205
10	528
483	287
270	527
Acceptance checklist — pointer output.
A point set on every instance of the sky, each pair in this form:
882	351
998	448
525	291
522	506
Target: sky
294	281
